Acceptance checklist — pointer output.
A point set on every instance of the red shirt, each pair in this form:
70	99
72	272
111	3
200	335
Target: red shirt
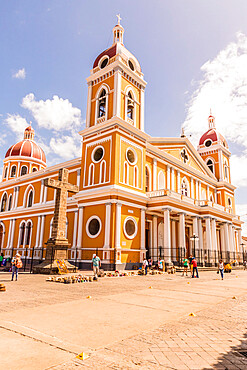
194	263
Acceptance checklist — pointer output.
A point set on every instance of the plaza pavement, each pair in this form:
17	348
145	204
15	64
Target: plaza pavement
126	324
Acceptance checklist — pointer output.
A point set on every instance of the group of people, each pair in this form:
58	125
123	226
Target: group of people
192	263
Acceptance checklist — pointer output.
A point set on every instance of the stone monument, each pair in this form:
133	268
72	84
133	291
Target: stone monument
57	246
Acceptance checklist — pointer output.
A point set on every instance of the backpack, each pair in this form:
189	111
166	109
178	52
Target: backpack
19	264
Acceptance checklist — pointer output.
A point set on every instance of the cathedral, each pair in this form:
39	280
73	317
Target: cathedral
139	196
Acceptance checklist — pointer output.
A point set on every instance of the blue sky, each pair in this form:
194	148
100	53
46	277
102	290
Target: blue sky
48	48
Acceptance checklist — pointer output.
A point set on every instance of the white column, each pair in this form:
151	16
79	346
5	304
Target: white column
8	174
107	225
37	232
41	191
222	238
12	233
45	194
143	215
117	92
18	169
168	177
78	177
207	192
89	96
142	102
155	237
172	179
167	235
214	239
174	249
80	228
192	195
154	174
221	166
42	231
182	244
118	225
178	181
226	237
208	233
17	196
197	190
200	234
9	234
200	190
75	228
239	239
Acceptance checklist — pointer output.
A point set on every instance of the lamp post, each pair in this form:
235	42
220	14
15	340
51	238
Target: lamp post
242	245
194	237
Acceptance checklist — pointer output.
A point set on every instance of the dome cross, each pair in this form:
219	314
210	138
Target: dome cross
118	19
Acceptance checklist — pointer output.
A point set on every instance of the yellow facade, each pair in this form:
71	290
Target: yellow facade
138	196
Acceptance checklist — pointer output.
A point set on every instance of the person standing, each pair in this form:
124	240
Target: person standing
191	265
1	259
145	266
16	265
195	269
150	263
96	263
185	262
161	264
245	264
221	269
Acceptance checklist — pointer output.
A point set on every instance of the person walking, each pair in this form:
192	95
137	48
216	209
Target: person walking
16	265
145	266
191	265
96	264
1	259
195	269
185	262
221	269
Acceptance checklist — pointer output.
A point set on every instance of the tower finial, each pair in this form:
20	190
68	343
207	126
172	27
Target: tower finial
211	120
118	19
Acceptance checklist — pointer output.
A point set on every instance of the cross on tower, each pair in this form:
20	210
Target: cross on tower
118	18
63	187
184	155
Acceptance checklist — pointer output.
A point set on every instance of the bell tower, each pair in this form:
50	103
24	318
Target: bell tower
116	85
214	150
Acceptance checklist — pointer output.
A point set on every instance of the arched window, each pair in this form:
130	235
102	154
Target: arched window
210	165
103	171
34	169
91	174
226	171
13	171
30	199
147	176
184	187
102	104
4	203
135	178
22	233
23	170
28	233
130	106
229	201
126	173
161	180
10	202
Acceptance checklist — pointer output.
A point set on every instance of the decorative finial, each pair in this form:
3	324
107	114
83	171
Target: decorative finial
182	132
118	19
30	123
210	112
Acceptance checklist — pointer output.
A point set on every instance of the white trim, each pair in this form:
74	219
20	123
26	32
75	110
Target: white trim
87	225
105	87
161	177
126	92
117	93
102	172
213	163
26	195
135	155
124	227
150	177
105	56
6	207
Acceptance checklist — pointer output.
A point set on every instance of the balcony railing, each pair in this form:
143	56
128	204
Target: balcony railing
184	198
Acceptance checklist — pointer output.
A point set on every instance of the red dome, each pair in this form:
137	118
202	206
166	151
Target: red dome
26	148
214	136
111	52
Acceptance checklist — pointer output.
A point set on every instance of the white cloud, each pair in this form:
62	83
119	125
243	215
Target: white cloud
17	124
21	74
66	147
223	88
56	114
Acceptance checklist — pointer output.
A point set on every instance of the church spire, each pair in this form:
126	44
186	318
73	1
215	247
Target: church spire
118	31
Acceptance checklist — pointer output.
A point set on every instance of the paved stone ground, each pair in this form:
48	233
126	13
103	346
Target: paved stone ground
146	328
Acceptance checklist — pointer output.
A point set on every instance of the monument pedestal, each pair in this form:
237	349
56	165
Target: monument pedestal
55	250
